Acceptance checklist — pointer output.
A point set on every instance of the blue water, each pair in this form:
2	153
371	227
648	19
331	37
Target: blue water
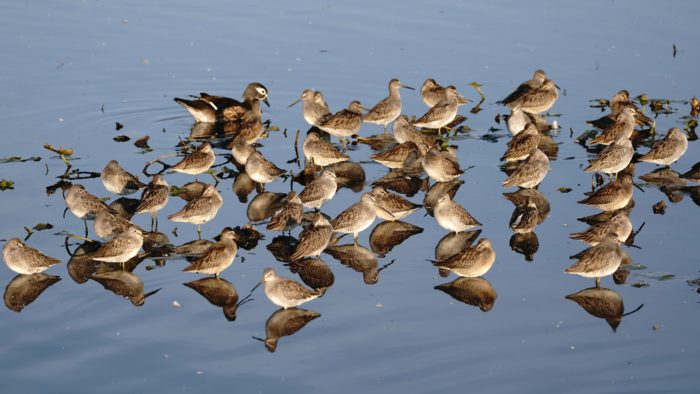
72	69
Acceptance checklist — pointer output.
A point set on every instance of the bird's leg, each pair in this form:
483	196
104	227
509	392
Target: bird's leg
385	131
199	231
597	282
355	237
86	227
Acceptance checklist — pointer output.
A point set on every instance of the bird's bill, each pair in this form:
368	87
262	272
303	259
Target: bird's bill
406	87
266	102
294	103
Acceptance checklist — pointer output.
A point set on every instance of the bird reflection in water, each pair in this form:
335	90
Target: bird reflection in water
125	284
360	259
314	272
387	235
221	293
283	323
22	290
602	303
471	291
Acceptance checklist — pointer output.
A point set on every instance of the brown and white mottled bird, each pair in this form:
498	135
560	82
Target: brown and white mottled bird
209	109
217	257
537	100
261	170
597	261
538	78
472	262
285	292
23	259
623	125
612	196
288	215
320	152
530	172
452	216
357	217
197	162
668	150
315	109
344	123
443	113
389	108
619	225
118	181
520	146
314	239
441	166
154	198
200	210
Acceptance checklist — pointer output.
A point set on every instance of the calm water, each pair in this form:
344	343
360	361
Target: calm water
72	69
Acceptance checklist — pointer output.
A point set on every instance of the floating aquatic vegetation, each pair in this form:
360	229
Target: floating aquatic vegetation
121	138
143	143
564	190
659	208
17	159
6	184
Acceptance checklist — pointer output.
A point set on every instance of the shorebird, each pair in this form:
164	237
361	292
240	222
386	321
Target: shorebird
530	172
83	204
623	125
471	263
441	166
537	100
108	224
314	239
517	120
397	156
392	207
538	79
613	158
197	162
432	92
315	109
200	210
154	198
288	215
520	146
320	152
344	123
241	150
524	218
261	170
612	196
668	150
121	248
23	259
320	190
285	292
598	261
404	131
118	181
443	113
618	225
389	108
217	257
357	217
452	216
471	291
523	196
620	101
211	109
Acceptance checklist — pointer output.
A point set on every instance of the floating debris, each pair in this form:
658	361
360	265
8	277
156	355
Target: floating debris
6	184
564	190
118	126
121	138
659	208
17	159
142	142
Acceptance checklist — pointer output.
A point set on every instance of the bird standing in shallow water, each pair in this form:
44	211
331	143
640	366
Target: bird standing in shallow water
200	210
538	78
389	108
530	172
537	100
357	217
472	262
118	181
285	292
261	170
217	257
23	259
344	123
314	239
315	109
668	150
452	216
321	152
154	198
598	261
197	162
432	92
443	113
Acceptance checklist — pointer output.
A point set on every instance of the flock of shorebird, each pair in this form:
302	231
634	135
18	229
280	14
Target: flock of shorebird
418	147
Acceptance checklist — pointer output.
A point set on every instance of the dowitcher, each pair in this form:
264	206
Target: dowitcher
404	131
432	92
471	263
613	158
602	303
261	170
623	125
530	172
620	101
108	224
315	109
524	218
285	322
357	217
209	108
391	206
219	292
517	120
125	284
118	181
619	225
436	191
25	289
471	291
288	215
200	210
154	198
320	190
455	243
197	162
344	123
396	156
191	190
314	239
389	108
285	292
320	152
387	235
538	79
598	261
23	259
217	257
612	196
537	100
441	166
693	174
314	272
241	150
667	150
520	146
121	248
452	216
243	186
349	175
443	113
264	205
83	204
